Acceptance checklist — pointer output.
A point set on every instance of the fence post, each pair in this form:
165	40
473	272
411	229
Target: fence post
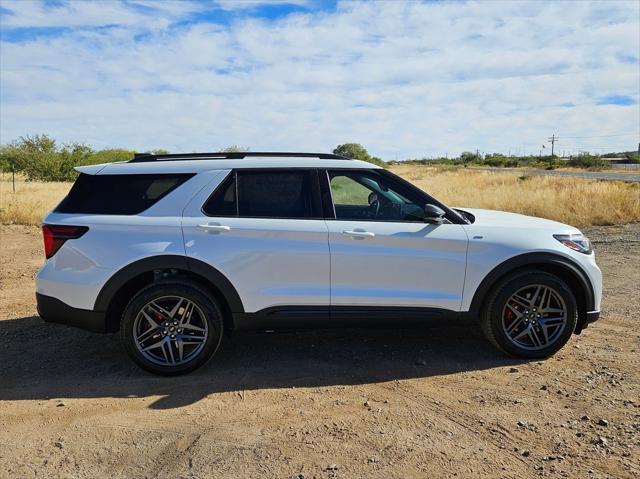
13	177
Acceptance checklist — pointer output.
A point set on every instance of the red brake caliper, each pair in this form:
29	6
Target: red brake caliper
508	315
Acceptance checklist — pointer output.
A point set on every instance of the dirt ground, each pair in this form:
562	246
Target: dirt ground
434	402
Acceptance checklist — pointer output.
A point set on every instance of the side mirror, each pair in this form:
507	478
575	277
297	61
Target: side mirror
433	214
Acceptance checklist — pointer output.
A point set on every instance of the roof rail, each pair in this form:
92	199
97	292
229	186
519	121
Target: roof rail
148	157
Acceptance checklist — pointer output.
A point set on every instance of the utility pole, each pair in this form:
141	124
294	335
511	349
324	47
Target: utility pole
553	140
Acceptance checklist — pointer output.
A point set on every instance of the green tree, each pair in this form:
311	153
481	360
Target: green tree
27	150
40	158
235	149
109	155
469	157
357	152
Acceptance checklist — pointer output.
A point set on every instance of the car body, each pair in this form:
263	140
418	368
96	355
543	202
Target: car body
286	240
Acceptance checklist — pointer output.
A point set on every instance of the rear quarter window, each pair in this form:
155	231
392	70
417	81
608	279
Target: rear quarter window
118	194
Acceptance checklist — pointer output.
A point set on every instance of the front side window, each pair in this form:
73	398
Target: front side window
267	194
367	196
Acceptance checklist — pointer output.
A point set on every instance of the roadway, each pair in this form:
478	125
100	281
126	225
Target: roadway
594	175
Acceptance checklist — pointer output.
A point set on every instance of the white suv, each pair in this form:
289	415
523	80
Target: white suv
172	250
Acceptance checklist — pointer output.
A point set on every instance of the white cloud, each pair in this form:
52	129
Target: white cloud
38	13
404	79
249	4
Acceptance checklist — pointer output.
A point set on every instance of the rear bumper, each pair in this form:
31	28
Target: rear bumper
53	310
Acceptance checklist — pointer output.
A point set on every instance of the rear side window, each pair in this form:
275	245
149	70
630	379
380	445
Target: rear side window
223	200
267	194
118	194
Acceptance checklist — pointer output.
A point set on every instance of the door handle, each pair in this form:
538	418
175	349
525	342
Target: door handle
359	234
214	228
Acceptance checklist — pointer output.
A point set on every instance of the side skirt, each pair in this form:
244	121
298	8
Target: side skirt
309	317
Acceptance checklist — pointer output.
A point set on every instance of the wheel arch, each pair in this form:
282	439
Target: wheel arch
567	270
121	287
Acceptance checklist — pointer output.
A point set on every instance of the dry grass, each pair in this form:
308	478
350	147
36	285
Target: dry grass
31	201
575	201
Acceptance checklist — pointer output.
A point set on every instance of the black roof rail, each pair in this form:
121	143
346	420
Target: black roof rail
148	157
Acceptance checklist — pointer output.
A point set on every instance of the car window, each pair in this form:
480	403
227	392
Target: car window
366	196
118	194
223	200
267	194
347	191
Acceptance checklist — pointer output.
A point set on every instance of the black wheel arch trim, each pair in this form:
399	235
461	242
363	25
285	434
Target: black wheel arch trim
533	259
184	263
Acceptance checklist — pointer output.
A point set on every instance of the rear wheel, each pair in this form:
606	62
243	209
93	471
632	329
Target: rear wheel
171	328
530	314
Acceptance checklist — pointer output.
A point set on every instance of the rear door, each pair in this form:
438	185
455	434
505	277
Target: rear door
264	230
383	254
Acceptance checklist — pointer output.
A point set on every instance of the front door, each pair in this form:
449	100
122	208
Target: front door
383	253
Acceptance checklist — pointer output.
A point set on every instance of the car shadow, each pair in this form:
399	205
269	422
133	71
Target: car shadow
41	361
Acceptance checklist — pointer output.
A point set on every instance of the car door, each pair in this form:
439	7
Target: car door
263	230
383	254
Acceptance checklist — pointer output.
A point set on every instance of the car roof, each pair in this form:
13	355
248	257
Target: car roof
199	164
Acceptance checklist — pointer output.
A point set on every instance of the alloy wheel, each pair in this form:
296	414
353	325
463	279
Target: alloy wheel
170	330
534	317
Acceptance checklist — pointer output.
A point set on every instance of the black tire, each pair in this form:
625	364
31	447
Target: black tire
491	317
207	309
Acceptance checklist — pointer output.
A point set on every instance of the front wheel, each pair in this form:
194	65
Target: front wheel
530	314
171	328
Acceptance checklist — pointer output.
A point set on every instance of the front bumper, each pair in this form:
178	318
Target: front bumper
590	317
53	310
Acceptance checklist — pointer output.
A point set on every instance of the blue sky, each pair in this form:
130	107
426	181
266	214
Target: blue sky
404	79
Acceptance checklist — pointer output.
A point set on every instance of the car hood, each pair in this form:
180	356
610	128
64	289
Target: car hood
515	220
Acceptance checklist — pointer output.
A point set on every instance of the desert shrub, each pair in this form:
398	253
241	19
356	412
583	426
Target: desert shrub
500	161
586	160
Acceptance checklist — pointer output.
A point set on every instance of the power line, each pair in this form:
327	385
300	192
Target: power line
603	136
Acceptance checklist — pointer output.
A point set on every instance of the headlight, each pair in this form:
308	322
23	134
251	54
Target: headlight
576	242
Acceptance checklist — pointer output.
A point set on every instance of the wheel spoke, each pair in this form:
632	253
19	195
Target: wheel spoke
524	302
523	333
192	327
519	314
551	321
551	310
186	315
159	344
180	345
156	308
514	325
147	334
169	348
535	296
537	341
175	309
152	322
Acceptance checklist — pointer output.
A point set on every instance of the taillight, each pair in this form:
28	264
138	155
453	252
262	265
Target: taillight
55	236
